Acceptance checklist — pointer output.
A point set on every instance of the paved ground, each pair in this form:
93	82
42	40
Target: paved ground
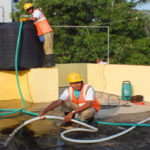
45	135
112	105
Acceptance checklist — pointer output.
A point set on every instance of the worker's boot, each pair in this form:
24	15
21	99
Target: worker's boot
90	120
49	61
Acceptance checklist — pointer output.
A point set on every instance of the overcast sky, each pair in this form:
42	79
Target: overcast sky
144	7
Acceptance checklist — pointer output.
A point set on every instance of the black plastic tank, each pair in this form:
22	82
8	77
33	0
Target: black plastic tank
30	55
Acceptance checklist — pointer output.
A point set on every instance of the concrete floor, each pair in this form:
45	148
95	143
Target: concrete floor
44	135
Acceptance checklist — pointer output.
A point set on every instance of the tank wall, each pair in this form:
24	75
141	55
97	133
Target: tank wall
30	54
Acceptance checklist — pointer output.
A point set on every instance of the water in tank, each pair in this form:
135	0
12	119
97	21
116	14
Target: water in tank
31	54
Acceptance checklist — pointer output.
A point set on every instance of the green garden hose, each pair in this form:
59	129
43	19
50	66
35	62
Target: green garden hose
12	111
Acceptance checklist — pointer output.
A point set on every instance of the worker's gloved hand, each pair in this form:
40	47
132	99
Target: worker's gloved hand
23	19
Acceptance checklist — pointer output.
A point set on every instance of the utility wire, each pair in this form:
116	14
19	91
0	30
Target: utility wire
136	18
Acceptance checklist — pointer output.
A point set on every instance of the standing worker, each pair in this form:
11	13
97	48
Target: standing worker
79	99
44	32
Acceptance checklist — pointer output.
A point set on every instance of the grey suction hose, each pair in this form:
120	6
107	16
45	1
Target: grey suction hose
91	129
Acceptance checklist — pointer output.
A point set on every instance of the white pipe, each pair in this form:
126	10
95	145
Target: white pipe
91	129
98	140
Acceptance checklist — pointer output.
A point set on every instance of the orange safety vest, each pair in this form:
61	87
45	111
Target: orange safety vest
42	24
96	105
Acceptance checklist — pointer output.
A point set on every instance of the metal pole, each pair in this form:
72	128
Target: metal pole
80	26
108	42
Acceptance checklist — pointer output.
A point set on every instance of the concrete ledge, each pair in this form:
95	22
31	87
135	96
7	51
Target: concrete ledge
41	84
37	85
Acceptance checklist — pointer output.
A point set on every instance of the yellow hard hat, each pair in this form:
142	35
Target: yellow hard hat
74	77
27	6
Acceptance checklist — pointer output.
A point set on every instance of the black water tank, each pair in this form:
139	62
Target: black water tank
31	54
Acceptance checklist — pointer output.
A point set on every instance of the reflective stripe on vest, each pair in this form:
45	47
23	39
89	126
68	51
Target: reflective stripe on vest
96	105
42	24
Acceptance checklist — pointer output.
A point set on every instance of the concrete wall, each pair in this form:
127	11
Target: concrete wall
66	69
42	84
109	78
37	85
5	10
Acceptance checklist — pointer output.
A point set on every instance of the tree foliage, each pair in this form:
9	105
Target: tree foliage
129	42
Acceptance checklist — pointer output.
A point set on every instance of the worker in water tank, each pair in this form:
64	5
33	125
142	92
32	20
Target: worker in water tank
44	32
77	100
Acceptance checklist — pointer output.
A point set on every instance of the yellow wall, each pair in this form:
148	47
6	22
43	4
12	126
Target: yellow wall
42	84
8	85
65	69
37	85
109	78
